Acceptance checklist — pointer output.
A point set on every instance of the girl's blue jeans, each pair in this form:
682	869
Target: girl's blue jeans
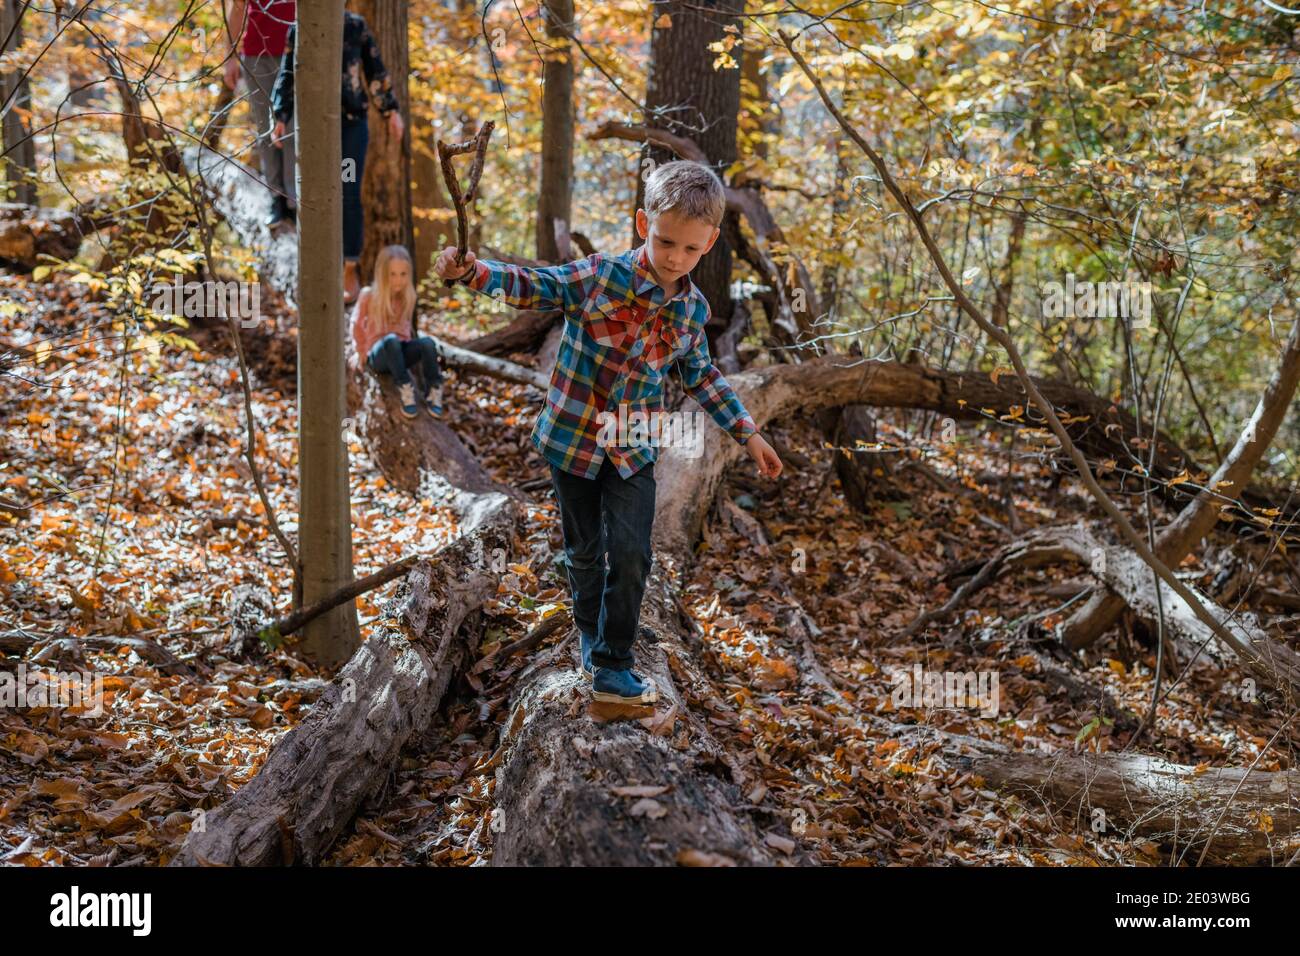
396	357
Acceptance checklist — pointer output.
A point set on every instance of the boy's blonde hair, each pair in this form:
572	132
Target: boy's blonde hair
690	189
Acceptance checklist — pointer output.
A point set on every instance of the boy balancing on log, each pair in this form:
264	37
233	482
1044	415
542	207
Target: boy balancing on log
626	319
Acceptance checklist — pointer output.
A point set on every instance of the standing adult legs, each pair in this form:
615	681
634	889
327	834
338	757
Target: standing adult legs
277	161
356	136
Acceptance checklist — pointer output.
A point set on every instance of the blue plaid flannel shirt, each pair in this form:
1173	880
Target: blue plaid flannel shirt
620	337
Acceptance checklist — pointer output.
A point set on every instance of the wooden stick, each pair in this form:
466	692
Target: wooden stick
478	146
275	632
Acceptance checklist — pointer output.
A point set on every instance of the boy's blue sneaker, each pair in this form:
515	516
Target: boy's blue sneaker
622	687
588	669
406	395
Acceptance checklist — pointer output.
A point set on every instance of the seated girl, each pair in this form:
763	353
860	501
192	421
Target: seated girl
383	330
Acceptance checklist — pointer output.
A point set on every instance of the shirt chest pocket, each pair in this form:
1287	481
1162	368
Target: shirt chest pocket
673	344
612	323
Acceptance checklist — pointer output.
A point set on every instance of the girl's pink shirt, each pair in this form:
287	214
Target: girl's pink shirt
364	337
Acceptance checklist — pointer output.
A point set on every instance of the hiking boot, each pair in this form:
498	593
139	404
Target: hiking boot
351	282
279	212
433	401
622	687
406	393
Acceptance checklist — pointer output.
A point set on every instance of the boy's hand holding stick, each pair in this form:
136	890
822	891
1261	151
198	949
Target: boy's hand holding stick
478	146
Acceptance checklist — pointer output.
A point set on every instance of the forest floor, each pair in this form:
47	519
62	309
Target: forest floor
141	518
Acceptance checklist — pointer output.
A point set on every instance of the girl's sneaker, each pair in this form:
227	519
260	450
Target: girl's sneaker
406	394
433	401
622	687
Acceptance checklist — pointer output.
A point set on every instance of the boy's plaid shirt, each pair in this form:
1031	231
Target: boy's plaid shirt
619	339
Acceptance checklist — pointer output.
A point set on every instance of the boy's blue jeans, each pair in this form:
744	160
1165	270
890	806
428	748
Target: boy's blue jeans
396	357
607	515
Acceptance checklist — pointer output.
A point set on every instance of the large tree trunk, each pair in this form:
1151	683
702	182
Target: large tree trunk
685	95
386	184
433	230
1194	522
341	755
554	196
15	90
325	517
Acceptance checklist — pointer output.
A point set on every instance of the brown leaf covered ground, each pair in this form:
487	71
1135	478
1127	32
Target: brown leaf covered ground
133	516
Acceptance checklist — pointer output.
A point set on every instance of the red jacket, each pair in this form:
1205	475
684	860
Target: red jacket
267	26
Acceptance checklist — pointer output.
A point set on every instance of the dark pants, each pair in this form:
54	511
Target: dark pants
390	354
356	137
607	515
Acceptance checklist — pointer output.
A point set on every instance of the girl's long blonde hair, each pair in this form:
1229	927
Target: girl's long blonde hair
380	314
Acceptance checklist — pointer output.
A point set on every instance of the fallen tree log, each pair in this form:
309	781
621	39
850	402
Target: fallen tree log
1266	657
525	334
1098	427
575	790
29	232
1220	816
241	197
422	455
341	754
494	367
1263	655
315	778
578	787
1186	531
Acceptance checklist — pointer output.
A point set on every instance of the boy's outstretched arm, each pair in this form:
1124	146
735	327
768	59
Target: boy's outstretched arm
703	381
562	287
